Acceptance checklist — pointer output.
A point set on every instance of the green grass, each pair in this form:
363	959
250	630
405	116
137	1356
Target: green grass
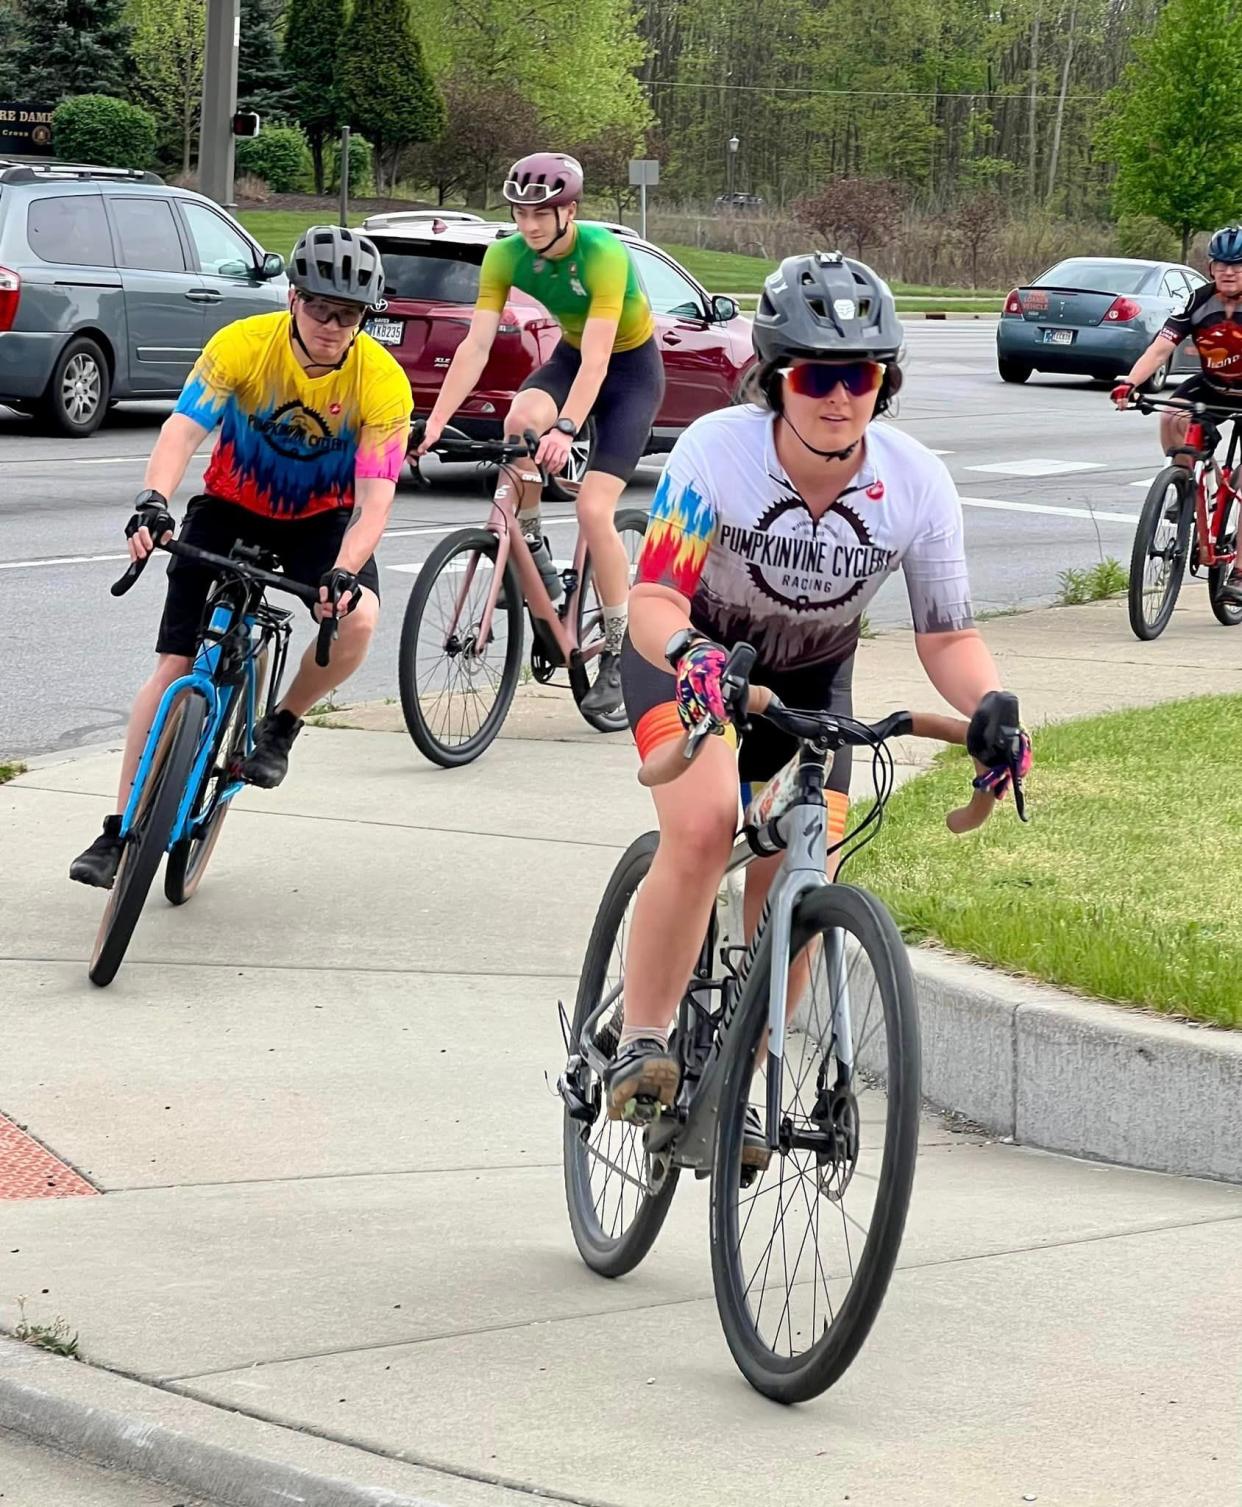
279	229
1123	885
1107	579
11	771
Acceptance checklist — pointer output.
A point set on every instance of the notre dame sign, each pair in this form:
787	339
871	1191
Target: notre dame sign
25	128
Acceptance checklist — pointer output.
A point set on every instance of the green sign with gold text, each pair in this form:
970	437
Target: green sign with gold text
25	128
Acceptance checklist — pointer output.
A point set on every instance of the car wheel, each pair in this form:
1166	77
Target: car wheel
1013	371
77	395
565	487
1156	382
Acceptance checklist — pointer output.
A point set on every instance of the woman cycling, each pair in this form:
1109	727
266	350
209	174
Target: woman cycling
606	363
776	522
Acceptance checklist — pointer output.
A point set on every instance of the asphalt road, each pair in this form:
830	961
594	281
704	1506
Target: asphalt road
1050	475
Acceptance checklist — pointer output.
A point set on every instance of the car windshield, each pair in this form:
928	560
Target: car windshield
433	274
1096	273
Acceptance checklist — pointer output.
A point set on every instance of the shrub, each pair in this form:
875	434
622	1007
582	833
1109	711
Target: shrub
278	155
1144	235
361	167
102	131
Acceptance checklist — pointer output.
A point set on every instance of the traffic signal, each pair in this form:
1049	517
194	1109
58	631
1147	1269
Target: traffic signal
245	123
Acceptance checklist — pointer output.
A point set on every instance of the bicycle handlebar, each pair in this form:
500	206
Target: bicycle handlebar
1148	403
455	445
671	760
270	580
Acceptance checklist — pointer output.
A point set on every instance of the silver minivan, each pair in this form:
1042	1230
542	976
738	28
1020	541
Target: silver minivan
111	283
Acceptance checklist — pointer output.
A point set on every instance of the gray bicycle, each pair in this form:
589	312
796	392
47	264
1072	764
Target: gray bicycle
803	1247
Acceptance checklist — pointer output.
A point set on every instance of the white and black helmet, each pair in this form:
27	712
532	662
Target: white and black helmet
824	305
337	263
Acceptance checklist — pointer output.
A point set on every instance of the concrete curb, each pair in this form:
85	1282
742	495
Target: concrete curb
203	1450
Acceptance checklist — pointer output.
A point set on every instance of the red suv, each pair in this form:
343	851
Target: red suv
431	266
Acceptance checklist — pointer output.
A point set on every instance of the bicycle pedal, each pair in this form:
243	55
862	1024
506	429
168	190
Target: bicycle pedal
643	1109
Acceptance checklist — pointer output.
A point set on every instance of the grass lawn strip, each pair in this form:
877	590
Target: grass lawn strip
1125	883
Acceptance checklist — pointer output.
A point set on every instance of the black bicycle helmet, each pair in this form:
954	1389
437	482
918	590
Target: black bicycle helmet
823	305
337	263
1226	245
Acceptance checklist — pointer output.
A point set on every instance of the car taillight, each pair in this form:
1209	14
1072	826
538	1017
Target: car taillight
10	293
509	323
1013	304
1122	310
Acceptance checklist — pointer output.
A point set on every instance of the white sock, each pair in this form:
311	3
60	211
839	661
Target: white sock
615	619
632	1033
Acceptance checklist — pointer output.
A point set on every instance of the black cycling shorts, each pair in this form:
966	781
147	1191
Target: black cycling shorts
626	408
651	706
306	547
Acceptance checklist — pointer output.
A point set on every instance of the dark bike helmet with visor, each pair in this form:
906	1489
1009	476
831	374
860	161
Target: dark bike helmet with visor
1226	245
824	306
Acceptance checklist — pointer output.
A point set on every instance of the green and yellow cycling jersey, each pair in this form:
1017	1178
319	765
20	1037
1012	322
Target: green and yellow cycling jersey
595	279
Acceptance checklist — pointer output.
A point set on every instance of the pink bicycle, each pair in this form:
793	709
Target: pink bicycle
461	641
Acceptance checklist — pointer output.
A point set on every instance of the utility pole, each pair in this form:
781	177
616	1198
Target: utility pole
215	138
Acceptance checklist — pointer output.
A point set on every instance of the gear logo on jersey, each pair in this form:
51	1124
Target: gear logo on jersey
296	432
805	564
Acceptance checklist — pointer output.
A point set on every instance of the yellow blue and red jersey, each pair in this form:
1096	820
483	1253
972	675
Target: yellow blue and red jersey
292	445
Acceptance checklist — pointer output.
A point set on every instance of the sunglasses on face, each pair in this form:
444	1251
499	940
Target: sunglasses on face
324	311
816	379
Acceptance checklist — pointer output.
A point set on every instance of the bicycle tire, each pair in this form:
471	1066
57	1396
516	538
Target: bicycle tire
797	1378
150	833
189	857
628	521
1227	614
1155	510
469	541
610	1256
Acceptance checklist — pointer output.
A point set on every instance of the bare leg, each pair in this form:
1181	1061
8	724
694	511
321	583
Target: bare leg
597	506
312	683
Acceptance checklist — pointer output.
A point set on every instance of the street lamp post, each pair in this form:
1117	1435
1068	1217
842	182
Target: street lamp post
734	143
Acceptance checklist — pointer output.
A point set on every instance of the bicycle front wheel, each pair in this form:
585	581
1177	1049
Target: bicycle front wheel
150	833
631	527
1158	558
618	1196
456	688
803	1251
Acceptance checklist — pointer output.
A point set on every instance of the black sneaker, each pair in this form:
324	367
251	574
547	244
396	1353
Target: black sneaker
98	865
1230	589
268	764
755	1149
641	1080
605	697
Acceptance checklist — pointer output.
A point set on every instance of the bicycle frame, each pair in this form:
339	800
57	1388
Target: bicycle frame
1208	527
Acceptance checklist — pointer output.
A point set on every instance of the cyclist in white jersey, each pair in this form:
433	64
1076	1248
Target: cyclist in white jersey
775	523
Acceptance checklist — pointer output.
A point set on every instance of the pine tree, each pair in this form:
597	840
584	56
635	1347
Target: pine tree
263	82
314	30
69	47
386	88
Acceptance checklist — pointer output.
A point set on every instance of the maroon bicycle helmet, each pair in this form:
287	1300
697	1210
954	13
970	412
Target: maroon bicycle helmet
544	179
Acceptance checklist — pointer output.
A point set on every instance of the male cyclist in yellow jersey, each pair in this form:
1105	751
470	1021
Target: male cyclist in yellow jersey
314	420
606	363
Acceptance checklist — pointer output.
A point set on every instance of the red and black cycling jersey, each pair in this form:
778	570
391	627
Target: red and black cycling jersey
1217	336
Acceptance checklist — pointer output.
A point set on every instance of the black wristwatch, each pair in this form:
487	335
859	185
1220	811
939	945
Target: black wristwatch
567	426
680	642
150	498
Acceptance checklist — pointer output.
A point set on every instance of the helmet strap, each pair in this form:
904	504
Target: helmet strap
562	229
823	454
295	335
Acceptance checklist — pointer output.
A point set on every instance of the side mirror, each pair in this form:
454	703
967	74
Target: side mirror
234	269
273	265
724	309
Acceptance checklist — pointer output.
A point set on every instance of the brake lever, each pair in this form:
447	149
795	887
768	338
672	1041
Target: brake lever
329	627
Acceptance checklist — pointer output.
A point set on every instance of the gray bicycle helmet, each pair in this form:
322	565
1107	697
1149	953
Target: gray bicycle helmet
824	305
337	263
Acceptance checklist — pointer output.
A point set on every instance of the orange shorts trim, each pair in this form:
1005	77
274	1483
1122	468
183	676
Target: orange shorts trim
838	804
661	724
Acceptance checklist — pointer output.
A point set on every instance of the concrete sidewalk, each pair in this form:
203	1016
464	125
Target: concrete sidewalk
330	1241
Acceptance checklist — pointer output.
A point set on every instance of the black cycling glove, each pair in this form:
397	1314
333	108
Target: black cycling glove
339	582
151	513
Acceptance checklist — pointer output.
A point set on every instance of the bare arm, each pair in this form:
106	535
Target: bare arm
959	665
597	340
1156	354
372	503
656	613
178	440
467	367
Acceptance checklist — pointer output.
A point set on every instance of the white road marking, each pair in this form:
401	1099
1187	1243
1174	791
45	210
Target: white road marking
57	460
1037	466
58	560
1098	514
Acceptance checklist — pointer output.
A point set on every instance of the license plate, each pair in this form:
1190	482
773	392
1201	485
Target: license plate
1058	337
386	331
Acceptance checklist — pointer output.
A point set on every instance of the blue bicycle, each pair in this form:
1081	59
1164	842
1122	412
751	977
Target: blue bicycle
202	730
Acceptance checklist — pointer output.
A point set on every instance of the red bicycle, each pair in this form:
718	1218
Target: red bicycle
1207	496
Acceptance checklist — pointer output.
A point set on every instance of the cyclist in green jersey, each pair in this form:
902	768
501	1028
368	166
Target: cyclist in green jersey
607	363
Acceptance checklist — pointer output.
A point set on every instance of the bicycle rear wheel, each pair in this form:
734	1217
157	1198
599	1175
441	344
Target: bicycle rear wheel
1158	558
1226	612
455	690
617	1197
149	835
632	527
802	1254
